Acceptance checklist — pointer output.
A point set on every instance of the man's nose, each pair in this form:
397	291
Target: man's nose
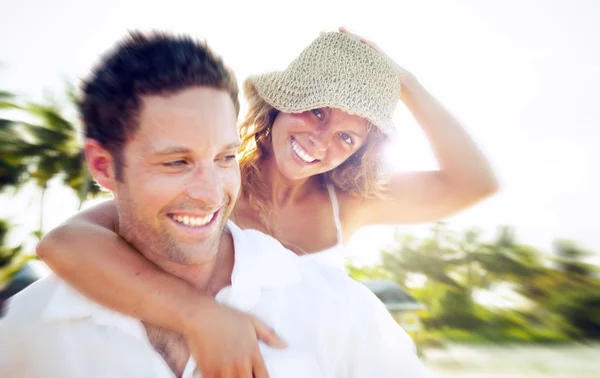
205	186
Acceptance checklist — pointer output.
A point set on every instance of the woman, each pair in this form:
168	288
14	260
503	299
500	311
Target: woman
311	177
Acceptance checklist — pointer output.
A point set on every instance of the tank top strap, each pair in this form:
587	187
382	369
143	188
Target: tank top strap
336	211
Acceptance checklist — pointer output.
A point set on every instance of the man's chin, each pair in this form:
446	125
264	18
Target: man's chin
194	259
196	254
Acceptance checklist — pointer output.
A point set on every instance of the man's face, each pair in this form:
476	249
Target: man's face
181	177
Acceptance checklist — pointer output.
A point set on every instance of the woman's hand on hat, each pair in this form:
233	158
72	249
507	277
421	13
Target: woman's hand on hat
404	74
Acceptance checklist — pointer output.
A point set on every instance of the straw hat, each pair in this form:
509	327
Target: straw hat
336	70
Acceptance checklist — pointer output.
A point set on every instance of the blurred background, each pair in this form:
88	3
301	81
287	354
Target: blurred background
508	288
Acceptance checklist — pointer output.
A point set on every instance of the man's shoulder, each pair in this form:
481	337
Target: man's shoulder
30	303
343	285
50	299
258	240
317	279
333	283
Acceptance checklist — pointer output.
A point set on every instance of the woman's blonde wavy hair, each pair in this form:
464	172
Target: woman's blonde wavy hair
362	174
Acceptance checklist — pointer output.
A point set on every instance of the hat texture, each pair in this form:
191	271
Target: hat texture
339	71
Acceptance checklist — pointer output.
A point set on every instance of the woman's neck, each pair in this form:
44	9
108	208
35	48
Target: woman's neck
283	191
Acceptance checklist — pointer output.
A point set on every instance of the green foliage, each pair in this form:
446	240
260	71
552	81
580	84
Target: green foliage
556	295
13	165
42	149
367	272
11	258
6	254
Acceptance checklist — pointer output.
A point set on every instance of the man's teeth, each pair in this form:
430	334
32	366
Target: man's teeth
192	221
301	153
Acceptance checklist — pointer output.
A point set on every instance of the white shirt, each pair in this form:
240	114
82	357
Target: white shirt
334	326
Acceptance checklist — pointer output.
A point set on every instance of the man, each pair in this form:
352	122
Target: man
160	115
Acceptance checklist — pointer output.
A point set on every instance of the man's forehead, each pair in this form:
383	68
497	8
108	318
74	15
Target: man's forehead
168	138
193	104
191	138
190	119
170	148
188	98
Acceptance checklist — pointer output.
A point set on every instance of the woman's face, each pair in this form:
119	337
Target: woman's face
315	141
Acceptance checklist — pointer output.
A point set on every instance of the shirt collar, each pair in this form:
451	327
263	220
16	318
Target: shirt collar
262	259
67	303
261	263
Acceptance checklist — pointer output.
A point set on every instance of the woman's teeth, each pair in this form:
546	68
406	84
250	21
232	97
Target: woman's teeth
192	221
301	153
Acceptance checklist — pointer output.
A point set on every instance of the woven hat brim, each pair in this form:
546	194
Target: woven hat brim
299	97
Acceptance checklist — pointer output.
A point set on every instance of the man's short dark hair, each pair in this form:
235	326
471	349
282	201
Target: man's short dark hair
145	64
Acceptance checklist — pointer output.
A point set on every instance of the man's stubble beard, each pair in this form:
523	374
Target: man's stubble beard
157	244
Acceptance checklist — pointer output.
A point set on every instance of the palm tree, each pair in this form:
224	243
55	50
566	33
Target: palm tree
55	143
11	259
508	260
13	166
435	257
571	258
44	149
16	271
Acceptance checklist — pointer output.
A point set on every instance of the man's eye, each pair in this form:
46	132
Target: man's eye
318	113
346	138
227	160
175	163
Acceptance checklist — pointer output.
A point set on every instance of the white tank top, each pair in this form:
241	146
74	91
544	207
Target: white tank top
333	256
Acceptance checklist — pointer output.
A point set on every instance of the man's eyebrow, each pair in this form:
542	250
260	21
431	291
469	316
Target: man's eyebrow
171	150
185	150
231	146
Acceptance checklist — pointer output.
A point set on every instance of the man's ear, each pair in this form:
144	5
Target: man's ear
100	162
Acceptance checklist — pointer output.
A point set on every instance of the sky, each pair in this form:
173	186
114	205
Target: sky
521	76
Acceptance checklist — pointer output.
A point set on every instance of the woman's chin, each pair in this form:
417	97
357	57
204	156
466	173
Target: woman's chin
291	170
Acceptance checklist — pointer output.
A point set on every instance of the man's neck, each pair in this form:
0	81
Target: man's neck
208	278
220	274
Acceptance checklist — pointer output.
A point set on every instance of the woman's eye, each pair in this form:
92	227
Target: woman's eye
318	113
346	138
229	157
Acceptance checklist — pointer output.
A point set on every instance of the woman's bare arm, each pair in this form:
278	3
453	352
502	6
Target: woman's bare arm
87	253
464	177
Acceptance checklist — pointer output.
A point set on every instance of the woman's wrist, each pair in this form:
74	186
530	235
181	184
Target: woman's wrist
192	311
409	83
